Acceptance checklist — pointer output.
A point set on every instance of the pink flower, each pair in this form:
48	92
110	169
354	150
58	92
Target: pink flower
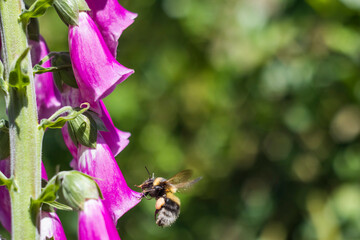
95	222
112	19
96	70
101	164
47	96
50	226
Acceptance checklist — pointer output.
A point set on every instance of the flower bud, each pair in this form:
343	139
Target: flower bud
68	10
83	130
78	187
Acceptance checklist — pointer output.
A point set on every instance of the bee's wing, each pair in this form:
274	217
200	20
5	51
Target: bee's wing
180	177
186	185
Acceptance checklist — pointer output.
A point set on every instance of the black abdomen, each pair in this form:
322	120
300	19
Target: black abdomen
168	213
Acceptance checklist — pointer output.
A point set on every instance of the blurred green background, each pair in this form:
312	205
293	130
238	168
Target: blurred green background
260	97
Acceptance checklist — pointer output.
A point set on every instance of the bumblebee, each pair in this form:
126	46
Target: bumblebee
167	204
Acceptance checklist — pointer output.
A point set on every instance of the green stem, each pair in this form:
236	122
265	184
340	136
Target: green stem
25	138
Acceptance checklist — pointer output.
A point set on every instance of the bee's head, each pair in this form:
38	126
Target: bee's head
148	184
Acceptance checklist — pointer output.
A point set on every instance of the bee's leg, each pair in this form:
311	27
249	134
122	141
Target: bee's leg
159	203
156	212
141	196
145	195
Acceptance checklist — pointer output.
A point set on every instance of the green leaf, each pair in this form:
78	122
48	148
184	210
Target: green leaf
18	76
49	193
37	9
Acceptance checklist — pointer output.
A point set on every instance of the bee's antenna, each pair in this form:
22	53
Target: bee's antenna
148	172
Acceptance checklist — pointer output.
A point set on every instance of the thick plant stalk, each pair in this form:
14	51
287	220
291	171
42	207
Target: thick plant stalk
25	138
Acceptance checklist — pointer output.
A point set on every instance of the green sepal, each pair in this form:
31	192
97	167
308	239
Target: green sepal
65	75
33	30
78	187
61	68
4	139
83	130
48	196
37	9
18	76
59	206
49	192
82	5
99	123
58	121
68	11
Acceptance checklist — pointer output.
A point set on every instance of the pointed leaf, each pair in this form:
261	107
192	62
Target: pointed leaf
37	9
18	76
